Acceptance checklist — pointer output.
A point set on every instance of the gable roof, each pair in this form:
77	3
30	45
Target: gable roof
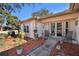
27	20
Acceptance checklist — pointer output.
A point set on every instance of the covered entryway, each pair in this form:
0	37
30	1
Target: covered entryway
59	29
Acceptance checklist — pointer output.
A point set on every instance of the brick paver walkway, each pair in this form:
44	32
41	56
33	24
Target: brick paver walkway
45	49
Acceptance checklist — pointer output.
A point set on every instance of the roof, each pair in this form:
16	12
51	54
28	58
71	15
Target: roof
28	20
73	8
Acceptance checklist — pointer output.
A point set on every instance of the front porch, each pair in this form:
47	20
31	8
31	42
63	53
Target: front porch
60	29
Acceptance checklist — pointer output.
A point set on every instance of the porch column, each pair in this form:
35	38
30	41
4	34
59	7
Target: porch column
43	30
49	27
43	34
55	29
22	27
77	30
63	28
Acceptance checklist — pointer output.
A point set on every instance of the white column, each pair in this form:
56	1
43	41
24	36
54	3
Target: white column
63	28
43	30
49	27
55	29
77	31
22	27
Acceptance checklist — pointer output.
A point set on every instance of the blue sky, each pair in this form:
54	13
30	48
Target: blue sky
26	11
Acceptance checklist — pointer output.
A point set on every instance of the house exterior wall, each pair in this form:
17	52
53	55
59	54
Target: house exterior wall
71	27
40	29
70	18
77	30
31	25
45	24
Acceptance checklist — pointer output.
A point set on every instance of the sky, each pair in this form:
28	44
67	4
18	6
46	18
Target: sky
26	11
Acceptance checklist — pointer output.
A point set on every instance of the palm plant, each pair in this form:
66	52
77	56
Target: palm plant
11	20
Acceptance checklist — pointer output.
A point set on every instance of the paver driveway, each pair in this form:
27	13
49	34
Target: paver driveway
45	49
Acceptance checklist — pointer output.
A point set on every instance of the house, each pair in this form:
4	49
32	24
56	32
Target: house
56	25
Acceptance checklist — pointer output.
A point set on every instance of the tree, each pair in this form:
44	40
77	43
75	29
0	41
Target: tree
41	13
1	21
5	12
11	7
12	20
7	8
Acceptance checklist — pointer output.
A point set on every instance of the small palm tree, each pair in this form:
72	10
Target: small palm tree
12	20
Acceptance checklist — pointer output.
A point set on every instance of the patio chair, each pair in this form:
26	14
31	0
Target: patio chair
68	37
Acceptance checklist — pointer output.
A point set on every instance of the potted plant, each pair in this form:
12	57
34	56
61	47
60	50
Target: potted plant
19	50
58	48
21	35
35	31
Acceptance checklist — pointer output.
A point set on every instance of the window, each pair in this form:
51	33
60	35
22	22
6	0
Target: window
27	29
66	28
53	29
24	28
76	22
59	29
66	24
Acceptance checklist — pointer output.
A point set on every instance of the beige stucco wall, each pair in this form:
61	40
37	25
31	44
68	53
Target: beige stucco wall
45	24
40	29
31	25
71	25
77	30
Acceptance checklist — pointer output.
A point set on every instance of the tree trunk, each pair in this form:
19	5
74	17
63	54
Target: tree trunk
1	27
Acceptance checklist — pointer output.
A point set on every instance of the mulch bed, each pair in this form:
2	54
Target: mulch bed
27	47
68	49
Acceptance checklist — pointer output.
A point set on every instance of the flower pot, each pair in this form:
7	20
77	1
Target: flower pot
19	51
58	47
